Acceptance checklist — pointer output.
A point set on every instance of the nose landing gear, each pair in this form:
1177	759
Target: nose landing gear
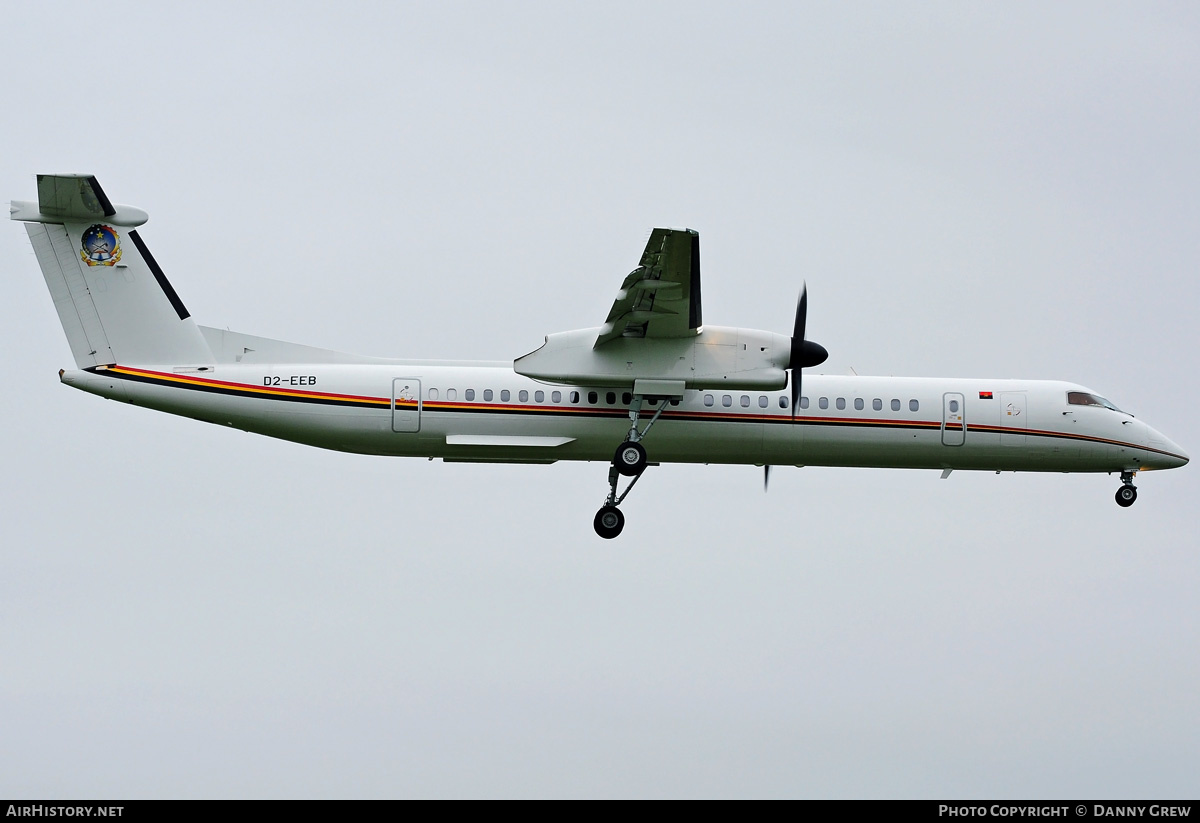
1127	494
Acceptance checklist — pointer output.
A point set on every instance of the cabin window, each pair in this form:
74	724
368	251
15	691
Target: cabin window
913	405
626	398
451	394
556	396
674	401
841	403
823	402
523	396
487	395
783	401
708	399
574	397
539	396
762	401
954	406
877	404
858	404
610	398
803	403
745	401
593	398
469	394
895	404
505	394
433	394
1082	398
726	400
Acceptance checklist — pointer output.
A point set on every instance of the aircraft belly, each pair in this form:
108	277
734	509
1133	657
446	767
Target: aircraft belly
876	447
865	447
669	441
686	441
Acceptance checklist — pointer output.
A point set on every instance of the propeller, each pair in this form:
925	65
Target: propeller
805	353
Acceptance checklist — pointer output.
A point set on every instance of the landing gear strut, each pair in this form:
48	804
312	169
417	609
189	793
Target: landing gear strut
1127	494
630	461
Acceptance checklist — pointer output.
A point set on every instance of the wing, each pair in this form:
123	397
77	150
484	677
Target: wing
661	297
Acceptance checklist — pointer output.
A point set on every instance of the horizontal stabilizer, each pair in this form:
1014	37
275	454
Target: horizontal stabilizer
72	196
65	198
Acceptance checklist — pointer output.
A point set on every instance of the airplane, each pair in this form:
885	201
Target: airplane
654	384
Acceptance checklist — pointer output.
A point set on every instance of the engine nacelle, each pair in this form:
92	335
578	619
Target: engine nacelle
716	356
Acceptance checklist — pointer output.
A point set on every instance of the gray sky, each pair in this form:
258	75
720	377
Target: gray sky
969	189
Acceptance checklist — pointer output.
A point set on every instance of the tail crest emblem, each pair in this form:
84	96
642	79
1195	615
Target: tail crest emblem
101	246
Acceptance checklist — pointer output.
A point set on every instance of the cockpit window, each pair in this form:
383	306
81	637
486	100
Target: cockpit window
1082	398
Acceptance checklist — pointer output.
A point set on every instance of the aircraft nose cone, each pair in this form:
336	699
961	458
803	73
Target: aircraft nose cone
1167	455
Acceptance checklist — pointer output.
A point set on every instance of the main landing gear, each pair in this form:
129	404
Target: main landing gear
629	461
1127	494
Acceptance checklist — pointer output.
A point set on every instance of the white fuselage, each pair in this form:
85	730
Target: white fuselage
488	413
711	394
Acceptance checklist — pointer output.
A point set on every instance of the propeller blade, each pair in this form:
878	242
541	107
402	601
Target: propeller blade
801	315
804	353
797	354
766	477
795	391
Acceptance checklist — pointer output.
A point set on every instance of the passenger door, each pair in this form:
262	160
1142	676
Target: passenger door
954	420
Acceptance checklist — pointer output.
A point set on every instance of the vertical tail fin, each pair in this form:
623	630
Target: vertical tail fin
114	302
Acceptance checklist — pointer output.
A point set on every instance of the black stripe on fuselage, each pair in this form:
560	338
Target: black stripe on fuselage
233	391
736	417
1086	438
439	407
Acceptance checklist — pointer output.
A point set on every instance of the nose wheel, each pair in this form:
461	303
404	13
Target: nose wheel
1127	494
